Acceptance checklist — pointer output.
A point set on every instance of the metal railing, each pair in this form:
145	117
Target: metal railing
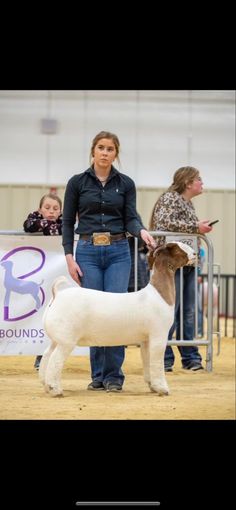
208	342
225	311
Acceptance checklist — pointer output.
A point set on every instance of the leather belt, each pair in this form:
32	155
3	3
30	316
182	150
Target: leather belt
103	238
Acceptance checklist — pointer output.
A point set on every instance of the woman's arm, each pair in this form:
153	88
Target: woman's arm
132	222
73	268
71	204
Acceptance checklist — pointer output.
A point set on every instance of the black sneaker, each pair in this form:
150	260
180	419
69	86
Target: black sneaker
95	386
113	387
168	369
194	366
37	362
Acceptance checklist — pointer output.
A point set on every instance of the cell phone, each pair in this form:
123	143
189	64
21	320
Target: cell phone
213	223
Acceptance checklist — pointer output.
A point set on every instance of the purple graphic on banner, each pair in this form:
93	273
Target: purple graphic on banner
17	284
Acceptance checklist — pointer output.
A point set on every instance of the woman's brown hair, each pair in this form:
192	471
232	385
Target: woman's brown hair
182	177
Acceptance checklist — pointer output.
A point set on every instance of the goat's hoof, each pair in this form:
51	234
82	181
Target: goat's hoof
160	391
54	392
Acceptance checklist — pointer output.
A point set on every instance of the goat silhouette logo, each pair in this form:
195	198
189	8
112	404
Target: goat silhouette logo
20	285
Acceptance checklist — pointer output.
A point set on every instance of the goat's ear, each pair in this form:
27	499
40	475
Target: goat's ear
152	255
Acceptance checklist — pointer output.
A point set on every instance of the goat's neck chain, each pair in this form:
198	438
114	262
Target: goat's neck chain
170	267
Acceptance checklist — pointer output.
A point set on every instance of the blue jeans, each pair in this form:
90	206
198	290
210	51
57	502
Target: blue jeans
105	268
188	354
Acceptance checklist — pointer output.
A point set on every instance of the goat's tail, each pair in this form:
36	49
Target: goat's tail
56	284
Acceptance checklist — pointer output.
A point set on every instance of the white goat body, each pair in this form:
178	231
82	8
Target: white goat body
91	317
96	318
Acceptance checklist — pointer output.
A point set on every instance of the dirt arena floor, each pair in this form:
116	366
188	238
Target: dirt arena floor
193	395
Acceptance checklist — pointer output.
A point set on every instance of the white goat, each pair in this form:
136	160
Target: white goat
94	318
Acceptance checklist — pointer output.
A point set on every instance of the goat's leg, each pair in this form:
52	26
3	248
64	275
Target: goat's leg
158	382
54	369
145	359
44	361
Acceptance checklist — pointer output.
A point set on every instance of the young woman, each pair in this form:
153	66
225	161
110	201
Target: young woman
105	201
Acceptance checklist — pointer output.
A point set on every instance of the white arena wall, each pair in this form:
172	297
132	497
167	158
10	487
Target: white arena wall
159	131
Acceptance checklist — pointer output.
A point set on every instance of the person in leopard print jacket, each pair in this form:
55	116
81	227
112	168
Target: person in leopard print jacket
174	212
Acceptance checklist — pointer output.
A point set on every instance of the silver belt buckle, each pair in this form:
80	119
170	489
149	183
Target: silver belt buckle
101	238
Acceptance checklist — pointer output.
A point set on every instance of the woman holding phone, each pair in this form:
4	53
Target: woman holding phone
175	212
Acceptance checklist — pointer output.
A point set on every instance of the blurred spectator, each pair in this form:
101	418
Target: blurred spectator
48	220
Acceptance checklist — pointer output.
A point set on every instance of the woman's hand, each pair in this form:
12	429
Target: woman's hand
73	268
147	238
203	227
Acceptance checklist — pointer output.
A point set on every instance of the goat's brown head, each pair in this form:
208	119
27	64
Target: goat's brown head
176	254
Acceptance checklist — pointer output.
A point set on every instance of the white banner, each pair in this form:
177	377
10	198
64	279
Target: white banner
28	267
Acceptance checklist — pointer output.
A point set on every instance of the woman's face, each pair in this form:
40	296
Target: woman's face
50	209
104	153
196	186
